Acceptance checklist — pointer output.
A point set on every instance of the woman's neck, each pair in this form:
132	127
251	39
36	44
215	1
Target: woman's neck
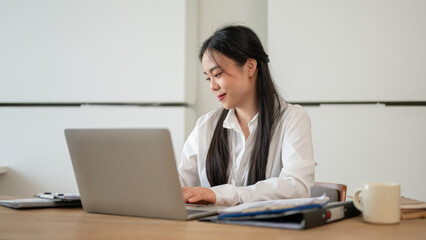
245	114
248	108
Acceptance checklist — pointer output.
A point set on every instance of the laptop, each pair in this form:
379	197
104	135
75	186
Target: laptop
129	172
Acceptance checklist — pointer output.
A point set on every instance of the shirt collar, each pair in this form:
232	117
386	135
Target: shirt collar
231	121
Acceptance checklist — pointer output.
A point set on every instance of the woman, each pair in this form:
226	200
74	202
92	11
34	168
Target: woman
257	147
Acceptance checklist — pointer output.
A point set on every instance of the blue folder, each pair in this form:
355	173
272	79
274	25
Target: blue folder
275	211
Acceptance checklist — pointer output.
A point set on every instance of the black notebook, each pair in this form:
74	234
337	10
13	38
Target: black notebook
39	203
298	219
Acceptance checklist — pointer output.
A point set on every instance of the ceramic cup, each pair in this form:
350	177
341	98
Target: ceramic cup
380	202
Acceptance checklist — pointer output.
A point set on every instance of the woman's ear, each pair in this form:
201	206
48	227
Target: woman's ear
251	66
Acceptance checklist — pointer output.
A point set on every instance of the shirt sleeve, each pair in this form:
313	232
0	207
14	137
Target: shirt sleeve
296	176
188	169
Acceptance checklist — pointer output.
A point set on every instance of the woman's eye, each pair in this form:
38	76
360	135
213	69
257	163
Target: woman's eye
218	75
207	79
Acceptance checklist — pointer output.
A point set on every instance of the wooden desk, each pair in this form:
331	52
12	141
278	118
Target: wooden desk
74	223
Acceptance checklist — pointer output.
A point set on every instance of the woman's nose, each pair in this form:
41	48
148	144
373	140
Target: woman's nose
213	85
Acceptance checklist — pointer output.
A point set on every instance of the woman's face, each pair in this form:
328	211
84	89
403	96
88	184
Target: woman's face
233	85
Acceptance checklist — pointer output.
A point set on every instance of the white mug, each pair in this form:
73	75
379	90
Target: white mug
380	202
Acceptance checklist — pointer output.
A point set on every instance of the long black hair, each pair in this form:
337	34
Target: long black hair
241	43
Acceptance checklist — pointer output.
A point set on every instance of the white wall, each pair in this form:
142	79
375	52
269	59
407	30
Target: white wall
357	51
346	137
33	146
75	51
354	144
345	50
96	51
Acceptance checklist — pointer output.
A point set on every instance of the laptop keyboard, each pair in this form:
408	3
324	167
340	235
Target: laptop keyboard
192	211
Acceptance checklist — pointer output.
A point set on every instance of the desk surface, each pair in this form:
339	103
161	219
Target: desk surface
74	223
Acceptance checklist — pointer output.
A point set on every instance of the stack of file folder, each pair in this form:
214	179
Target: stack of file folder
300	213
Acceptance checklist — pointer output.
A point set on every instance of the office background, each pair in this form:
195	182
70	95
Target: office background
358	67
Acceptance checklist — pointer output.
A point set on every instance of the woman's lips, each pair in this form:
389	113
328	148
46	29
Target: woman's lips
221	96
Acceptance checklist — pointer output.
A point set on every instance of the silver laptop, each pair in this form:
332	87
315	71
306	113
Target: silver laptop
129	172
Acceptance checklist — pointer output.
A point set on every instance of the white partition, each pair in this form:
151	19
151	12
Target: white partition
97	51
33	146
345	50
354	144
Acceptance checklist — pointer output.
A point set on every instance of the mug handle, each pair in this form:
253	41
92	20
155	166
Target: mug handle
356	200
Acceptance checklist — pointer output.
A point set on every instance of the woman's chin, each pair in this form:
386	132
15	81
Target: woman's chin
227	106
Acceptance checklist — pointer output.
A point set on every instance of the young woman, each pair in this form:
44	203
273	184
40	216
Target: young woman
257	147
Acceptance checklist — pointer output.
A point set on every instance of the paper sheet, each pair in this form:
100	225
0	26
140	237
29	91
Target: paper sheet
274	204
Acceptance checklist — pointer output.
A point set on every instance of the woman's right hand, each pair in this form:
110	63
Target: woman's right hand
199	195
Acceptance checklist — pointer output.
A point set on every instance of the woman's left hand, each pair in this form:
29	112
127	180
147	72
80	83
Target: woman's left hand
199	195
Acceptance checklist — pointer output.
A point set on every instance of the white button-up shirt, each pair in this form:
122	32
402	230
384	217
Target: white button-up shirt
290	166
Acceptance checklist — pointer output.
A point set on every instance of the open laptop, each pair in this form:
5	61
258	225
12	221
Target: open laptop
129	172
